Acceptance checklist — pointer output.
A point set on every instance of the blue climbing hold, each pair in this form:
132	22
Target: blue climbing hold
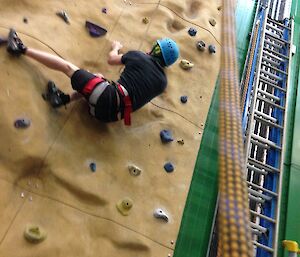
95	30
183	99
93	166
166	136
22	123
169	167
192	32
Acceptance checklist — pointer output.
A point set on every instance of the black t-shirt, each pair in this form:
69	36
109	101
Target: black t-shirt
142	77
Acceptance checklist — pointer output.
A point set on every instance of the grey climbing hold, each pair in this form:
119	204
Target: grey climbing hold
201	45
34	233
212	49
134	170
192	32
93	166
104	10
22	123
212	22
160	214
95	30
183	99
169	167
124	206
62	14
166	136
3	41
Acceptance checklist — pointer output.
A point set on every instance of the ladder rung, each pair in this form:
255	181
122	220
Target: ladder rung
275	69
275	98
262	216
270	102
258	227
270	61
262	188
273	56
274	52
256	199
274	28
256	170
267	248
275	38
271	75
278	24
255	142
273	44
266	116
258	194
265	141
261	165
270	83
266	122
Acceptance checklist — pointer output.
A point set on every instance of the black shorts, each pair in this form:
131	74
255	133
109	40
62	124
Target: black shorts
106	108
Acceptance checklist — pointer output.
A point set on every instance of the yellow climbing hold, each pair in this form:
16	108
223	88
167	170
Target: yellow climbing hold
145	20
186	65
291	246
34	233
124	206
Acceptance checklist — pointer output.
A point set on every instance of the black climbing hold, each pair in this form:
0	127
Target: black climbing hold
22	123
169	167
93	166
212	49
192	32
25	20
104	10
183	99
166	136
95	30
201	45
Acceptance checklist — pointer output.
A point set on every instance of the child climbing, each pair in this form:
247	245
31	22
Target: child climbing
142	79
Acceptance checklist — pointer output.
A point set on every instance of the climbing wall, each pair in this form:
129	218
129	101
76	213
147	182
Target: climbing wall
45	178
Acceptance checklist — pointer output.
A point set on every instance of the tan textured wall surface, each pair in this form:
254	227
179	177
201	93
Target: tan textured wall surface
48	162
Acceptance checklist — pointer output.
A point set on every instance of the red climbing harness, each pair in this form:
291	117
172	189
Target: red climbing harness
127	104
89	87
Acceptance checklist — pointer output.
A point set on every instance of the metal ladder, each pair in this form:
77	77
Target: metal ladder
264	130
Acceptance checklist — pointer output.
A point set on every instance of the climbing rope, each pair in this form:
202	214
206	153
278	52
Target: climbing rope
233	215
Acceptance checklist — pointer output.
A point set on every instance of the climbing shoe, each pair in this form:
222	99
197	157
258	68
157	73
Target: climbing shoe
55	96
14	44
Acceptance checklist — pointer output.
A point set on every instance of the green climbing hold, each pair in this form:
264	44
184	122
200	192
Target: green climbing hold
34	234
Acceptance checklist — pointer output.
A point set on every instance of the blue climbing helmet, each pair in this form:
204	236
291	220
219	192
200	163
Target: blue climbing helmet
169	50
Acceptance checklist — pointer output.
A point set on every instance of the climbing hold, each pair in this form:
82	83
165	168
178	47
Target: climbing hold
166	136
134	170
62	14
22	195
25	20
201	45
30	198
95	30
145	20
93	166
104	10
3	41
219	8
124	206
22	123
186	65
192	32
183	99
181	142
160	214
172	242
212	22
169	167
212	49
34	233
